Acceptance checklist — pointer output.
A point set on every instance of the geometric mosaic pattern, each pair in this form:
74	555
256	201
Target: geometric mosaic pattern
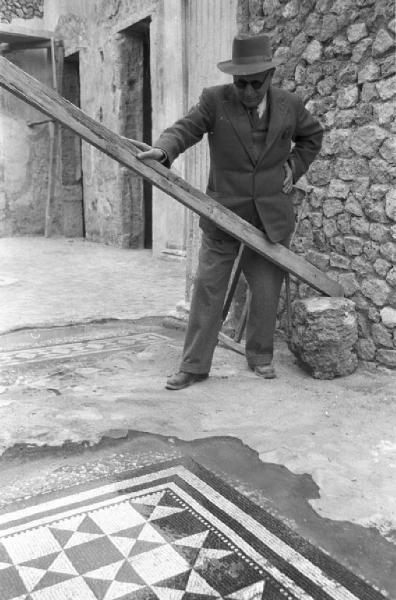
172	532
134	342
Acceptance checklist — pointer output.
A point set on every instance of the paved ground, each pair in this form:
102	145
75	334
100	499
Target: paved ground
320	453
62	281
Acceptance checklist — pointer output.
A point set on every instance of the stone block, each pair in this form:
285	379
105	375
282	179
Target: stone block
299	44
316	219
369	92
388	66
381	171
344	118
388	251
290	10
326	86
387	358
391	277
360	49
360	226
377	290
356	32
353	206
359	187
366	140
324	334
363	113
388	316
317	196
353	245
340	47
375	210
332	207
370	72
348	74
282	54
379	232
381	335
371	250
366	349
388	150
338	189
383	43
392	232
329	28
319	259
299	74
350	169
336	141
387	88
313	25
344	223
384	112
390	204
313	74
313	52
349	283
337	242
381	267
320	172
348	97
339	261
329	228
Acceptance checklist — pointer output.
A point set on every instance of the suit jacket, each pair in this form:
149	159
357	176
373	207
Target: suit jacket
236	179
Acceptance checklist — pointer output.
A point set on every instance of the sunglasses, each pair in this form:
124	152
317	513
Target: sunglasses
243	83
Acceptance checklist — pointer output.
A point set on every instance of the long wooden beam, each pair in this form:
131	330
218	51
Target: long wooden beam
52	104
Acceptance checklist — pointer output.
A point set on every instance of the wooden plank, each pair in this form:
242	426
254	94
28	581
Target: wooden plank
50	103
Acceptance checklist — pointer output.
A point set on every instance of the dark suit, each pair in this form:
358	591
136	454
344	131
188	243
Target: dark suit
248	179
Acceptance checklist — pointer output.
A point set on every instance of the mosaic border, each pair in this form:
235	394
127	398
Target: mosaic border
323	579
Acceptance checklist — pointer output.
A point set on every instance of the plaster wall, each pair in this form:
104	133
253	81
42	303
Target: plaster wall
92	29
24	155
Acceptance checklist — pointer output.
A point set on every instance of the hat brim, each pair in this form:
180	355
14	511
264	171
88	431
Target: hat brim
228	66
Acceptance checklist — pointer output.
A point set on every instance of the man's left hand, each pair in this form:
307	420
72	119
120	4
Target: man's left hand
288	181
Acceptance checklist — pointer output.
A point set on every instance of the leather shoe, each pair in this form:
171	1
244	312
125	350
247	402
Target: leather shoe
266	371
181	380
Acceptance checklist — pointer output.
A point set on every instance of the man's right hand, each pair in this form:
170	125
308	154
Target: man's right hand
153	153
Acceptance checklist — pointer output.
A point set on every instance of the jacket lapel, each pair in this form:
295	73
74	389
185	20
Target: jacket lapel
277	108
239	119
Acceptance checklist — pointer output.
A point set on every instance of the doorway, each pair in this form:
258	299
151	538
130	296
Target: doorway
134	80
71	157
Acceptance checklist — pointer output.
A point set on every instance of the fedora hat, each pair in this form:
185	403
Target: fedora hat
249	55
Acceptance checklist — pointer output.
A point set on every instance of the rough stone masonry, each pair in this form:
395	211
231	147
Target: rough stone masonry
24	9
338	55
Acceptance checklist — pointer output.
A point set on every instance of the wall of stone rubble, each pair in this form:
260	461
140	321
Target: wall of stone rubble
22	9
338	55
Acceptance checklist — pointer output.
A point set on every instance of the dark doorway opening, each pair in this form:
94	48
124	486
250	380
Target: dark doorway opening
71	156
136	123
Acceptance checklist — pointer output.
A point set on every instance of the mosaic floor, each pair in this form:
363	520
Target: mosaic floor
136	342
167	532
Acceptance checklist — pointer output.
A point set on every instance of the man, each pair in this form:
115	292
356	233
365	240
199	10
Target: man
251	126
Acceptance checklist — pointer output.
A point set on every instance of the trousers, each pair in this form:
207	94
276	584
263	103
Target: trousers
216	259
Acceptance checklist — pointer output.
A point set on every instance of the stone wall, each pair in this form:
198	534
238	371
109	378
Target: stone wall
338	55
22	9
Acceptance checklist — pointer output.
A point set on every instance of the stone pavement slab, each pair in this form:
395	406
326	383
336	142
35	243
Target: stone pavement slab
59	281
